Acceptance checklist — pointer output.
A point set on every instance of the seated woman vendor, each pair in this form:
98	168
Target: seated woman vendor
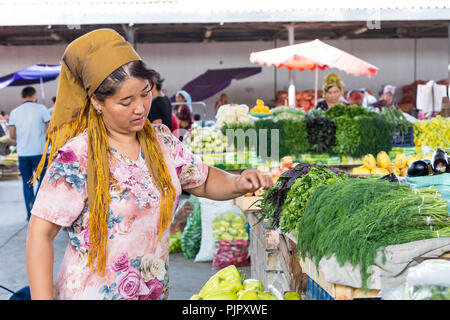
332	92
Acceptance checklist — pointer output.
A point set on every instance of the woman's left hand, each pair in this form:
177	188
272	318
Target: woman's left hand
252	180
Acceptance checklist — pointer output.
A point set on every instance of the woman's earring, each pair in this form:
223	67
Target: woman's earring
99	112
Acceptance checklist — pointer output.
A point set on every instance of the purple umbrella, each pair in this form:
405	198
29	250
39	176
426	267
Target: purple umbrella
215	80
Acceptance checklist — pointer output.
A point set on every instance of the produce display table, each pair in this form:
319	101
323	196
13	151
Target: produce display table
317	286
274	260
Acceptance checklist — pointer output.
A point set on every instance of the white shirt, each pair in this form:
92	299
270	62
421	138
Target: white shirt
29	119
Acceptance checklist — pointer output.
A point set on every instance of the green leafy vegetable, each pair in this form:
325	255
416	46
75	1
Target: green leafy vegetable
355	219
353	111
297	198
348	135
293	137
272	200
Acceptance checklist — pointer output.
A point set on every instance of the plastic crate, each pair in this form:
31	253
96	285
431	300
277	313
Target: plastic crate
400	140
315	292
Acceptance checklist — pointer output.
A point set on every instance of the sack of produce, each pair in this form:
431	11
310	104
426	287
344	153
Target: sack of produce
191	236
428	281
231	238
210	210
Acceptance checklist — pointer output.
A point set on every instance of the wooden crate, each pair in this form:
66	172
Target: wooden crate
295	277
336	291
264	250
246	203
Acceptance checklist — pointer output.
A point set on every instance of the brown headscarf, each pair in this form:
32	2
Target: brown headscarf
86	63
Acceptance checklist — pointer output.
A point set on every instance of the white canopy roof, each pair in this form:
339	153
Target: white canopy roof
77	12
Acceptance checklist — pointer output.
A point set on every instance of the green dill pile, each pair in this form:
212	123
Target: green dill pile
356	218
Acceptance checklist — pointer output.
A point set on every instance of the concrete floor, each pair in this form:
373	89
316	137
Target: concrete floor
186	276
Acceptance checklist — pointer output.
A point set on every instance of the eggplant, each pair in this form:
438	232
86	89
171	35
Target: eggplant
390	178
418	168
439	161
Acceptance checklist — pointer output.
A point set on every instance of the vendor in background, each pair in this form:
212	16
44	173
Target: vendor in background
161	108
53	106
185	98
360	97
185	119
386	98
222	101
355	98
3	124
333	89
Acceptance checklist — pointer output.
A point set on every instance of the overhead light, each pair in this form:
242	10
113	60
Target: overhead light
49	26
222	23
360	30
131	24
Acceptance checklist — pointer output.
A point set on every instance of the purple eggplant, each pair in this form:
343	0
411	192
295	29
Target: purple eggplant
439	161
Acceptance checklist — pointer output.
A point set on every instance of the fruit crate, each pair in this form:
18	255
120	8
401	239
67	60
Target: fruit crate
400	140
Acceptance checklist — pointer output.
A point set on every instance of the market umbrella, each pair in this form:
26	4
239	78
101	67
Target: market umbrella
313	55
38	73
215	80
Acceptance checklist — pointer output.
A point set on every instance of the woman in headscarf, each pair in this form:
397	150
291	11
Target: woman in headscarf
113	180
184	99
333	90
386	98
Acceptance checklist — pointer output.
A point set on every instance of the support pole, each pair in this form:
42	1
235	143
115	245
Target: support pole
449	55
130	33
291	91
316	84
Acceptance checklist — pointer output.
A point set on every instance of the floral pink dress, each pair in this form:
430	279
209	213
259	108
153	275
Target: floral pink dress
137	263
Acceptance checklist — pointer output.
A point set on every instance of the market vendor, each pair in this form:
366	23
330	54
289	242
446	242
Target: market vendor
333	89
386	98
114	180
184	99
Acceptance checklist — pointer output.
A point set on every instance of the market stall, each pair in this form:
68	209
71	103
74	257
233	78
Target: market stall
347	157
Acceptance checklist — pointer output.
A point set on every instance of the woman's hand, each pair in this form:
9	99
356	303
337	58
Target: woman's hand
252	180
221	185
